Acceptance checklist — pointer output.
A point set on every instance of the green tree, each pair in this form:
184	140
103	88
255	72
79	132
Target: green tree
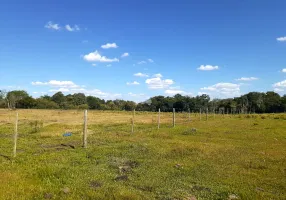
272	102
79	98
129	105
82	107
46	97
27	102
283	103
202	102
3	94
256	101
94	102
59	98
13	97
44	103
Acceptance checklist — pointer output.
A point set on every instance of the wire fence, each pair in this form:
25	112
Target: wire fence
80	124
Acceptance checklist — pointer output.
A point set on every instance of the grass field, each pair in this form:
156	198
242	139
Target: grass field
226	157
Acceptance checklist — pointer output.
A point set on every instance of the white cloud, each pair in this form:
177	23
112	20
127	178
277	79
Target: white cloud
283	70
39	83
60	90
109	45
132	83
39	93
158	83
278	90
96	92
71	29
96	57
70	87
93	64
135	95
51	25
78	89
139	74
158	75
208	68
281	39
141	62
281	84
174	91
55	83
99	93
109	65
125	55
150	60
223	89
247	79
201	93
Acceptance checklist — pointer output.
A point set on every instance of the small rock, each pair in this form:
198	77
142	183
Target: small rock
95	184
200	188
48	196
121	178
178	166
259	189
232	197
123	169
190	198
191	131
66	190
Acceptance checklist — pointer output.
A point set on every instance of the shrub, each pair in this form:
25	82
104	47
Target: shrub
36	126
82	107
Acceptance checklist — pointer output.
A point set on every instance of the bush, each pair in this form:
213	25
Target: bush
82	107
36	126
46	104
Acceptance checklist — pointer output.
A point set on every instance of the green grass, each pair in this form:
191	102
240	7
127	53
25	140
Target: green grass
237	155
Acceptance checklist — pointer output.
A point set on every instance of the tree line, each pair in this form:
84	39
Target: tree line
253	102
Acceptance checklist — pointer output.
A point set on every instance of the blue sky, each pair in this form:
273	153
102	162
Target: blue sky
137	49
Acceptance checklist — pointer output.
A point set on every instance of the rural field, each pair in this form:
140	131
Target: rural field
224	157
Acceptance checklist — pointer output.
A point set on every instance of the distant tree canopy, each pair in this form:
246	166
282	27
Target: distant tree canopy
253	102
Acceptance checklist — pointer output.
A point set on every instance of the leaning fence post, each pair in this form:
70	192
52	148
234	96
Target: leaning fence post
174	117
133	121
85	129
15	136
159	118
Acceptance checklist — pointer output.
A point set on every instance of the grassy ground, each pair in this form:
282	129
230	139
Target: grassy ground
226	157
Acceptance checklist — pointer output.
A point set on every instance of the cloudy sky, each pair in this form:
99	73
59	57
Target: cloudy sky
136	49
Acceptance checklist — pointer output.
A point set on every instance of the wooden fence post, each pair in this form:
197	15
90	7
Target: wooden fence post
159	118
85	129
15	136
207	114
174	117
189	115
133	121
200	114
